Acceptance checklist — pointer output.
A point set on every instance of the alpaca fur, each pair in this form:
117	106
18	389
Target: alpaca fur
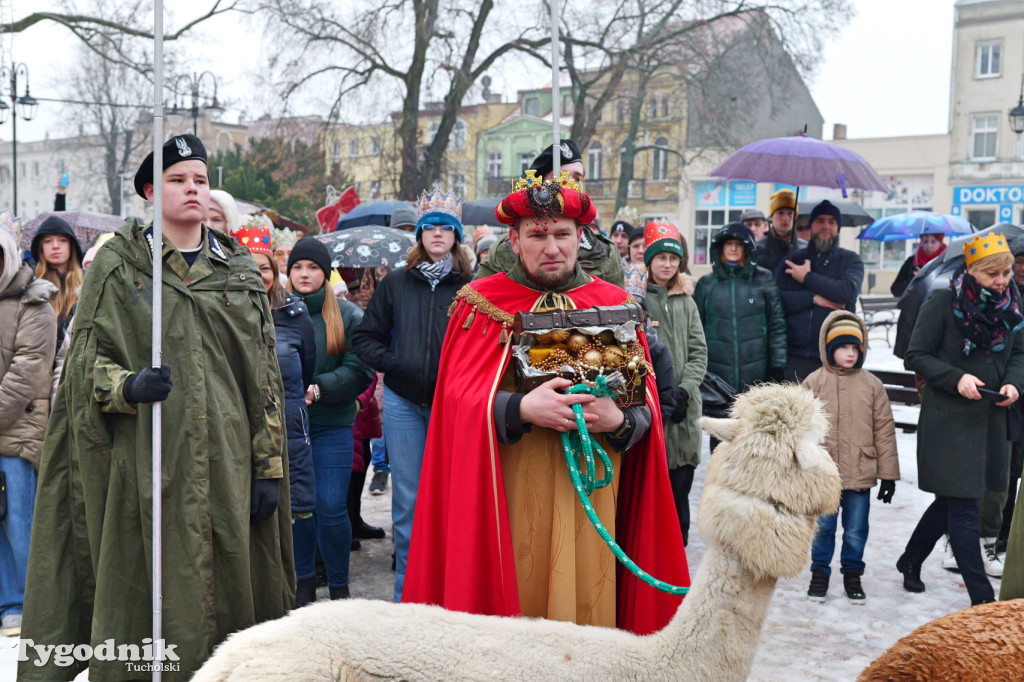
985	642
767	483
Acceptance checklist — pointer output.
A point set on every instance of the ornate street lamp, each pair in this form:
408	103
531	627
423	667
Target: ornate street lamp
25	105
1017	113
192	88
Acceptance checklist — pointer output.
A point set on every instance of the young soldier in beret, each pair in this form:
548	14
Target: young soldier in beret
227	548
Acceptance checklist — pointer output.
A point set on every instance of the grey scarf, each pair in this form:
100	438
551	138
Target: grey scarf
435	272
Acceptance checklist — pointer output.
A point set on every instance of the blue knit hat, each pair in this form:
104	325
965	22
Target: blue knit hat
439	208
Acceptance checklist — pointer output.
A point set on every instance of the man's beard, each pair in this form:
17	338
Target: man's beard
547	280
822	245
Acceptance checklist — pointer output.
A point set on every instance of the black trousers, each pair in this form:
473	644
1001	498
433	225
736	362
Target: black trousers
682	480
959	517
799	368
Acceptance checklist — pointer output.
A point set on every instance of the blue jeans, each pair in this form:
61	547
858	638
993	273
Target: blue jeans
405	430
854	505
15	532
332	530
378	455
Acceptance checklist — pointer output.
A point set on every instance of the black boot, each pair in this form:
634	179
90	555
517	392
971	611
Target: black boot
854	592
360	529
339	592
819	585
305	592
911	574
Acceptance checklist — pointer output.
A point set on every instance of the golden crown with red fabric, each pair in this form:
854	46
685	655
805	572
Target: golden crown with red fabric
560	197
255	235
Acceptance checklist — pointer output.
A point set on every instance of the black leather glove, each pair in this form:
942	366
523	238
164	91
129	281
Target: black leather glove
151	385
265	497
776	375
886	490
682	402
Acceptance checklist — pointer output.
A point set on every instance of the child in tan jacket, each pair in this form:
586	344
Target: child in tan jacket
861	440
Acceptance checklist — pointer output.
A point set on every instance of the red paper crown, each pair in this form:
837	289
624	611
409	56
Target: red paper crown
657	230
255	236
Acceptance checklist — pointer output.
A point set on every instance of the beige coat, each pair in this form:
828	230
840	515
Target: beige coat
28	339
862	434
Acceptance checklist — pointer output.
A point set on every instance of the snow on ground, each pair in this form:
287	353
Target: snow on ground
802	640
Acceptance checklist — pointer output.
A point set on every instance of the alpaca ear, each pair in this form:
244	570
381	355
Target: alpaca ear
722	429
809	453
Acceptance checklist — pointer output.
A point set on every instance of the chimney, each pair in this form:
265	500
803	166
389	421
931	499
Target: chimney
838	131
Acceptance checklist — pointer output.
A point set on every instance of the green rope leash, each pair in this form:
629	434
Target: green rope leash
573	443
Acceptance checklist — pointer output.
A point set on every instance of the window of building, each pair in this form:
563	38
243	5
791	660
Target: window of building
594	161
984	135
375	146
707	222
457	183
659	160
987	59
623	112
664	106
494	165
525	161
353	147
35	169
459	135
335	149
567	107
652	110
531	106
888	255
432	131
375	189
982	218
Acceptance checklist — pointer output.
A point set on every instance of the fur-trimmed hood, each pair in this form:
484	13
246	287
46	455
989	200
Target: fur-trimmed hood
684	285
833	317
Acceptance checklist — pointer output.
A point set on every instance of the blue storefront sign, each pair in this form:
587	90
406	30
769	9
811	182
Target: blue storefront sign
742	193
993	194
719	194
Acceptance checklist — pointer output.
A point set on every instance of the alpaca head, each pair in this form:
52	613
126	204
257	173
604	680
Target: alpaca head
770	478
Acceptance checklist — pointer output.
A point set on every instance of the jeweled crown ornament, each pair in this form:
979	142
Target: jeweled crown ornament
985	245
283	237
629	215
437	201
531	179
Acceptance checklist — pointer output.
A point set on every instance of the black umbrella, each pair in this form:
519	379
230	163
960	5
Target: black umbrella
853	213
374	213
369	246
936	274
481	212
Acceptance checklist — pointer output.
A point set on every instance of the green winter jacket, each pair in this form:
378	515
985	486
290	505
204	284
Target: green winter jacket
341	380
680	329
598	257
741	310
89	567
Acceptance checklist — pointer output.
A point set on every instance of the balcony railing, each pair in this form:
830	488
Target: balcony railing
605	188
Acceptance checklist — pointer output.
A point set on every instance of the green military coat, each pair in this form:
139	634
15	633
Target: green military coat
680	329
598	257
89	575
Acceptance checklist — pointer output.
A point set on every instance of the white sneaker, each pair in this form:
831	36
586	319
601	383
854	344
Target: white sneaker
993	562
948	560
10	625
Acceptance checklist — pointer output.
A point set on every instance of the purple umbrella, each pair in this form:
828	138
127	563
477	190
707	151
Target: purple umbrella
800	160
87	226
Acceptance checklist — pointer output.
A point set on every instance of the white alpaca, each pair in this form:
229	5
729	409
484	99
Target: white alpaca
766	485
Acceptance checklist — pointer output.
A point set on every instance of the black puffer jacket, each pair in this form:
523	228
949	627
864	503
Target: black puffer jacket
771	250
402	331
741	310
296	355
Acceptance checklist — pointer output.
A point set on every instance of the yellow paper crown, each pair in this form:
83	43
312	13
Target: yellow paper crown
985	245
531	179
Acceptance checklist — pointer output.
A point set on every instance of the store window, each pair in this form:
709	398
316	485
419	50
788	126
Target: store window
982	218
987	59
984	136
707	223
887	255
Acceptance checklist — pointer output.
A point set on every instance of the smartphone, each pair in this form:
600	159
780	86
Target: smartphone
63	179
995	395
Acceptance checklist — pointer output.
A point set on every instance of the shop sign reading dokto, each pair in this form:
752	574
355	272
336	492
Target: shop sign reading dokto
1003	196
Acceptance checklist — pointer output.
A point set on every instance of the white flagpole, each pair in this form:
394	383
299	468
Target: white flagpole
556	154
158	247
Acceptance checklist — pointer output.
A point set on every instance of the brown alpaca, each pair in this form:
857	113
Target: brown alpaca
985	642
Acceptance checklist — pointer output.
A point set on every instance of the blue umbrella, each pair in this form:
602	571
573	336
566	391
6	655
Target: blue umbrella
912	224
374	213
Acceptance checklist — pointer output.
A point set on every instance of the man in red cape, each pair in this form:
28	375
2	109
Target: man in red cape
498	529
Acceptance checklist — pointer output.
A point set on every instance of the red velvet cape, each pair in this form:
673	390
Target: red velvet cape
461	554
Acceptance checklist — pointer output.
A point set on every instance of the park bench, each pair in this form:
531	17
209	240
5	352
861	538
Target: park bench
879	311
901	389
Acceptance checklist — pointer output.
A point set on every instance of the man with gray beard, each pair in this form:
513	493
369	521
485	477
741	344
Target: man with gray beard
814	281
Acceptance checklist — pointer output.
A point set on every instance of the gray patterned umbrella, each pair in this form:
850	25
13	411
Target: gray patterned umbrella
87	226
369	246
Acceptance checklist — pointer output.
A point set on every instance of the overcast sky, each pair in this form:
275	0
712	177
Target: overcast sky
886	75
